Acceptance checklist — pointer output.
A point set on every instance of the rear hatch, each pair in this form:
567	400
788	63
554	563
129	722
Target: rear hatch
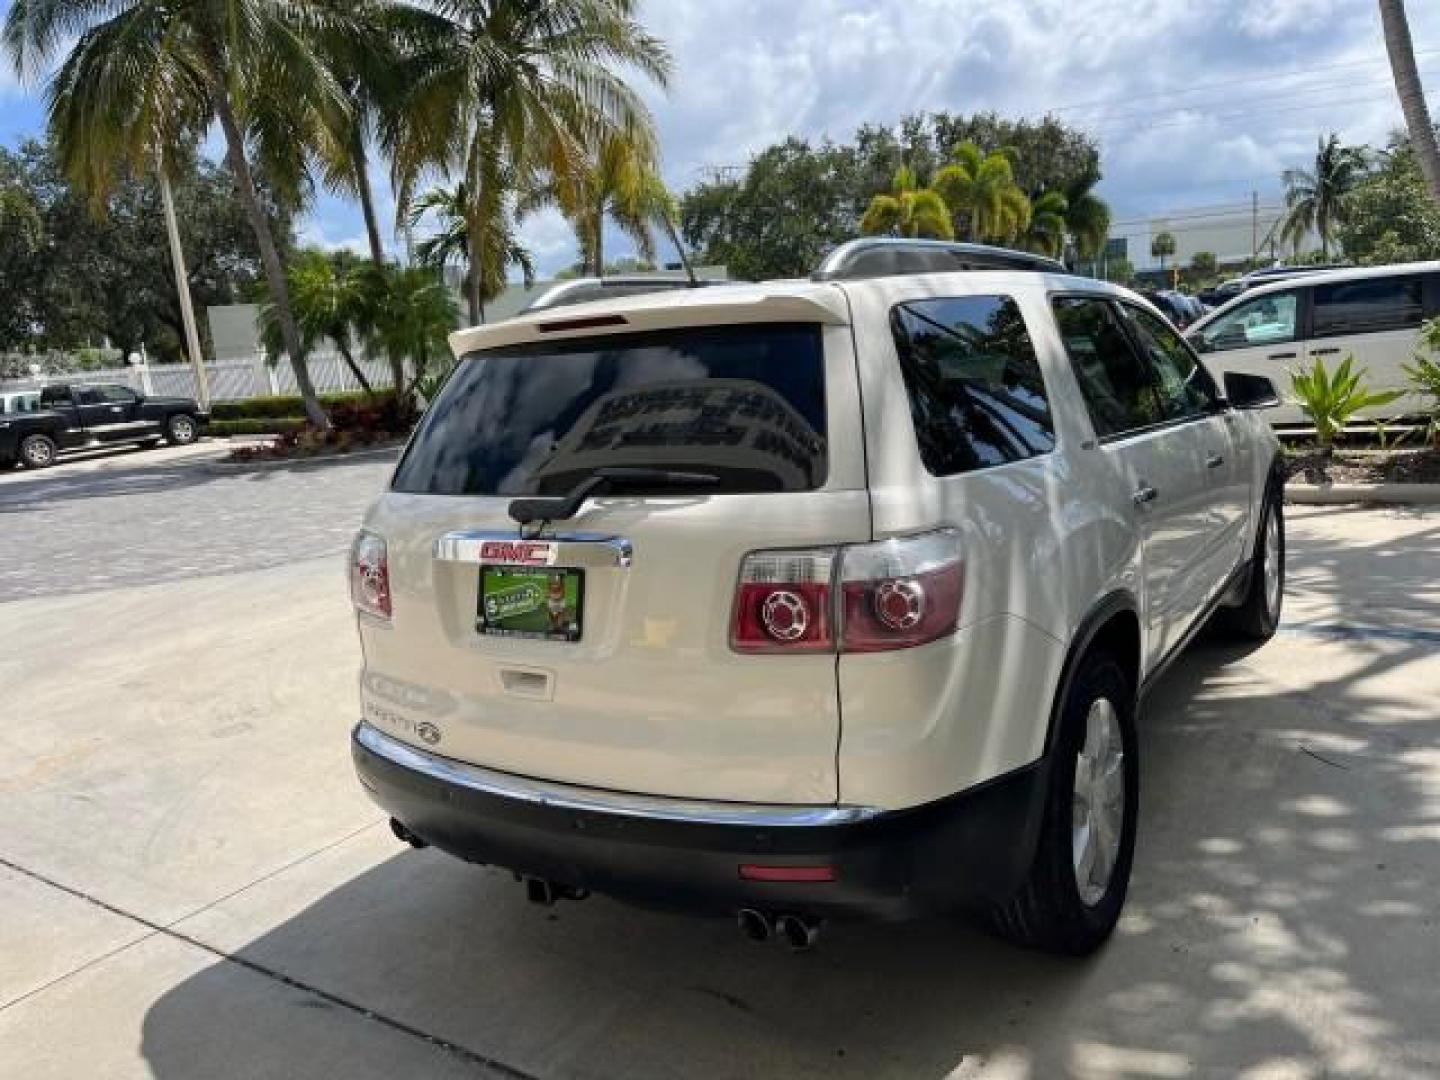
597	650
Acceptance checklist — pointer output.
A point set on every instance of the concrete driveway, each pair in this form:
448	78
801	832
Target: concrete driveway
193	885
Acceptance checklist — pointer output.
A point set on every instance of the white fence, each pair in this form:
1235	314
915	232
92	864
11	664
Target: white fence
229	380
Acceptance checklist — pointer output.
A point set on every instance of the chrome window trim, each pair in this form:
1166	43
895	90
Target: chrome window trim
574	797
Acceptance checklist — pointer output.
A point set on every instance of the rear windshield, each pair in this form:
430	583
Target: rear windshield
744	403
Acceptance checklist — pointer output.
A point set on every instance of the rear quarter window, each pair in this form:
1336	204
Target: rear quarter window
744	403
977	396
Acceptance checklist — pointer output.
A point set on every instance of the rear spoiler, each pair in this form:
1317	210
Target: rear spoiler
700	307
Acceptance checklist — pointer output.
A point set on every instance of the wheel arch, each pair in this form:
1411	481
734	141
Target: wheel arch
1113	622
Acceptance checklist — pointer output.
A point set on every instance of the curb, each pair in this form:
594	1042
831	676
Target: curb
231	468
1340	494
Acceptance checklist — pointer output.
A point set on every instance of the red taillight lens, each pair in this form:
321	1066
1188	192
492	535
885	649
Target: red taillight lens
901	593
894	594
370	576
783	603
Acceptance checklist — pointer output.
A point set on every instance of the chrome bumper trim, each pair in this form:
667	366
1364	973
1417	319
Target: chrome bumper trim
572	797
575	549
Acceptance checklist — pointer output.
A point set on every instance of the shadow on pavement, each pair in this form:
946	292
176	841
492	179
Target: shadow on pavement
1282	918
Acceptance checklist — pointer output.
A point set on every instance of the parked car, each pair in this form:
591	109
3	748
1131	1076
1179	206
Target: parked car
1372	313
83	417
18	401
1180	309
804	600
587	289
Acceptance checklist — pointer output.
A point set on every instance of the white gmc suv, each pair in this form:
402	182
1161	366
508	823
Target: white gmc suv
808	600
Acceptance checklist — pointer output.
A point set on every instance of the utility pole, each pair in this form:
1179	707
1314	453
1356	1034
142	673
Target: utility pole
182	286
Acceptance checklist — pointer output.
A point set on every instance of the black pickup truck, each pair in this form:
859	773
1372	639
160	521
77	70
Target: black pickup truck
86	417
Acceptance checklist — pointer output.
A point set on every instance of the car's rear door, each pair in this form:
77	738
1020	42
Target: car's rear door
1160	460
597	651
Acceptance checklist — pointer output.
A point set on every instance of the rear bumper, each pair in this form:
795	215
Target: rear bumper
962	851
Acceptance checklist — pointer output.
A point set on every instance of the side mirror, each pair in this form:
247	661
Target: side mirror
1250	391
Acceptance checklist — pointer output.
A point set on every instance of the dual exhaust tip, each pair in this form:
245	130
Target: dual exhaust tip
800	932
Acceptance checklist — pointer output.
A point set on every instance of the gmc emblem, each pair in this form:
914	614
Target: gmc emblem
518	552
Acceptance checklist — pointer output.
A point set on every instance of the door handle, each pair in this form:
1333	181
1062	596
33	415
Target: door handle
1324	352
1214	461
1145	494
117	408
1283	356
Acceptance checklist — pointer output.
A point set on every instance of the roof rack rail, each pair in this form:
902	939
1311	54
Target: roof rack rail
879	256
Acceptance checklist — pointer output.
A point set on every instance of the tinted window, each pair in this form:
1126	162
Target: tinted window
1117	385
1360	307
116	394
746	403
87	395
1266	320
1186	388
55	395
976	393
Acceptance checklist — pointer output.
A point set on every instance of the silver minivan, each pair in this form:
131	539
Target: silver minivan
1373	313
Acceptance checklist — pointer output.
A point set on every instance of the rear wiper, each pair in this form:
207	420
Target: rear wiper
529	511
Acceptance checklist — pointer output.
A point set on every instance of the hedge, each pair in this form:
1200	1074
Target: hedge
274	425
286	406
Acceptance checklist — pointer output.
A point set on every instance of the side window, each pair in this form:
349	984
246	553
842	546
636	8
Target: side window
116	395
1266	320
976	393
1368	307
1186	388
87	395
1117	384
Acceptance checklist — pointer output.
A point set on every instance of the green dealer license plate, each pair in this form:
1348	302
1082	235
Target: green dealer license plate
544	605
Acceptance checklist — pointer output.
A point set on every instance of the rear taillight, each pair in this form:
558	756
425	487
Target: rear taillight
900	593
370	576
784	603
894	594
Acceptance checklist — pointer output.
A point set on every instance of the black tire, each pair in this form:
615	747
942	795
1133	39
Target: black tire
1257	616
1048	912
38	451
182	429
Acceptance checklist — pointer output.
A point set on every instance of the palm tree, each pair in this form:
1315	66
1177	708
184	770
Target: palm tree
908	210
408	312
325	292
621	183
451	245
1047	224
1317	199
147	77
499	92
1087	220
980	190
1412	95
1162	247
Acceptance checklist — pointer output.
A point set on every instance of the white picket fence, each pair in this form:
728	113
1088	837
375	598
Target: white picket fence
230	380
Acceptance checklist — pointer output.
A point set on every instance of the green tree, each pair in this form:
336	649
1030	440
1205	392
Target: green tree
908	210
982	194
408	312
1162	247
487	263
328	299
1317	199
149	77
1204	265
1401	50
499	92
1391	217
1046	233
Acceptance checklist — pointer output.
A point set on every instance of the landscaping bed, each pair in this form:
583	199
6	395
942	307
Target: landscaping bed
363	423
1359	467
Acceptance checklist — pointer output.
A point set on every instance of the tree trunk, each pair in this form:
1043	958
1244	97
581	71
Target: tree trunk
674	235
600	245
1412	97
269	254
367	196
472	294
355	369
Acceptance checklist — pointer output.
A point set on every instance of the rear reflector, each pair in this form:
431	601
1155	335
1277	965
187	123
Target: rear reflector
751	872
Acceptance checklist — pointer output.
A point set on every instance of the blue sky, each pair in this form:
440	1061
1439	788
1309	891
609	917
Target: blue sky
1194	103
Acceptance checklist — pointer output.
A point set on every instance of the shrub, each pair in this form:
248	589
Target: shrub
289	406
271	426
1331	401
1424	373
